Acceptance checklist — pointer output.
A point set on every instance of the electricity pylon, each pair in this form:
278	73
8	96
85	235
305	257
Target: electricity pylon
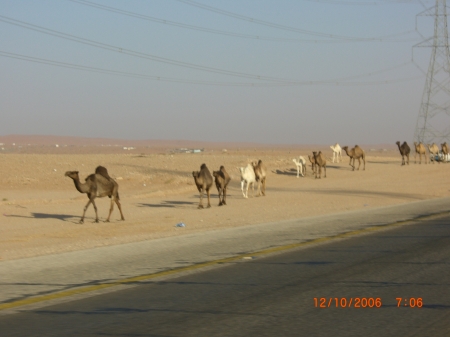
433	123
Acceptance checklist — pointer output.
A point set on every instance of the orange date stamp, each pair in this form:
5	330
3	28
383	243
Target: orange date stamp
343	302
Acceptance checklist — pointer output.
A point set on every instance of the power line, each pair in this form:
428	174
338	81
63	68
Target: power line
139	54
336	82
221	32
278	26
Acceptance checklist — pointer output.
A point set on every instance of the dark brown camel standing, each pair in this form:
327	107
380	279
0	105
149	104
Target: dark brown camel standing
355	153
203	181
404	151
222	179
97	185
319	162
260	175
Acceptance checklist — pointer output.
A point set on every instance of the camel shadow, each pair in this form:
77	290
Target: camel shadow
290	172
168	204
63	217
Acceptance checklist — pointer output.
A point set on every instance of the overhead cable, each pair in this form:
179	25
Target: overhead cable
334	82
276	25
227	33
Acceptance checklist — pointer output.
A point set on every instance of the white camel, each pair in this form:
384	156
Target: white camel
301	166
247	176
337	152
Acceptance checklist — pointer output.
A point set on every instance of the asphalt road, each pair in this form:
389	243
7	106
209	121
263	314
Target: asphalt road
275	295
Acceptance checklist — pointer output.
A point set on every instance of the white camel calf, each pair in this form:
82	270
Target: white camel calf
247	176
337	152
301	166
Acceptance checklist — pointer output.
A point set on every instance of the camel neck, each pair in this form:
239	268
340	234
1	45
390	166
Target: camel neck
79	186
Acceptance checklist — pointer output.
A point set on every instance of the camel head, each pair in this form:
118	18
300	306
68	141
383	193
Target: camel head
398	143
72	174
345	148
195	174
215	174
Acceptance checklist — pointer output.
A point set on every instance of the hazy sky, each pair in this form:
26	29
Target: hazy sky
270	71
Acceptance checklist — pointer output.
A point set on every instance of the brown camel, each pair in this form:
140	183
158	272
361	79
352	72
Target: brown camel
404	151
203	180
420	149
313	162
222	179
260	176
319	162
445	151
97	185
434	151
355	153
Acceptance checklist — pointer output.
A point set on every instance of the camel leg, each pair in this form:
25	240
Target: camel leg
120	209
224	202
263	182
325	171
298	171
111	207
209	203
242	187
84	211
200	204
95	208
220	198
359	161
364	161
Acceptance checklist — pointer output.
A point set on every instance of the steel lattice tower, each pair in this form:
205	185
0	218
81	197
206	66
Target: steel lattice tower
433	123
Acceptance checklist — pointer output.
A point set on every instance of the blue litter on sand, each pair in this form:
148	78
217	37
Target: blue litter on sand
180	225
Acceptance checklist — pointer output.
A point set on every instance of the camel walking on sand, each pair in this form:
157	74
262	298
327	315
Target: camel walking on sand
203	181
404	151
319	162
445	152
434	151
420	149
355	153
260	176
222	179
313	163
301	166
97	185
337	152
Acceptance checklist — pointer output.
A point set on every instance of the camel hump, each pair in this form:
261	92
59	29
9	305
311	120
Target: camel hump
103	172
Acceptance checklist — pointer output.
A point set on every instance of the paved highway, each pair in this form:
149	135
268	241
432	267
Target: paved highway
275	295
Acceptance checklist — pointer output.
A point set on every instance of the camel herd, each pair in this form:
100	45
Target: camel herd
420	150
100	184
318	160
254	172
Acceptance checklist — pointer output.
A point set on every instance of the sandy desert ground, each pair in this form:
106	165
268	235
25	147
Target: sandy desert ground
41	209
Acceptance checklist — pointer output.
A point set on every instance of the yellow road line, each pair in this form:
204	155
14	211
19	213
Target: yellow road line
130	280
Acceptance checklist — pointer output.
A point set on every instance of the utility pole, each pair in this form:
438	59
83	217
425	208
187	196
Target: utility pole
433	122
